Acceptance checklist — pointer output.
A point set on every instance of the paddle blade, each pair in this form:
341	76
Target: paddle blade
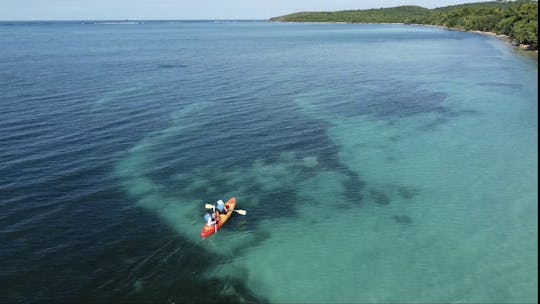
240	211
208	206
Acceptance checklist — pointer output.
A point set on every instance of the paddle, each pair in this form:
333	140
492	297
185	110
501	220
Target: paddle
239	211
215	218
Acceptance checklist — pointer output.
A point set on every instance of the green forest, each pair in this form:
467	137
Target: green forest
516	19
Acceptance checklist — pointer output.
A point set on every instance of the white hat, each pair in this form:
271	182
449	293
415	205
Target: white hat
220	202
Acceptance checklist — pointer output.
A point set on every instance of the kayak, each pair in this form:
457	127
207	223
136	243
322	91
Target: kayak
209	230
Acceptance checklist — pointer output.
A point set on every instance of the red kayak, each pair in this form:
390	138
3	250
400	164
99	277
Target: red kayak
209	230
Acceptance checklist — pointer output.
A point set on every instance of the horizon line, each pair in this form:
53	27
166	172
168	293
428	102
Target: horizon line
128	20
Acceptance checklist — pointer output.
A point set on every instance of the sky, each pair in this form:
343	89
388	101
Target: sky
187	9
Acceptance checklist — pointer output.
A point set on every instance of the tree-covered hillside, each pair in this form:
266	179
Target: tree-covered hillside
517	19
387	15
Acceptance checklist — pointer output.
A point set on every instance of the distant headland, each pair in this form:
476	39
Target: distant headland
515	20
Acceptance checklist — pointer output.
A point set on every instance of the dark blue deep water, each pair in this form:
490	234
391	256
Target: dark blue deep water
377	163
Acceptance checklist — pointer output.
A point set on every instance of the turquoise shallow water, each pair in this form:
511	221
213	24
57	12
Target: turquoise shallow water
377	163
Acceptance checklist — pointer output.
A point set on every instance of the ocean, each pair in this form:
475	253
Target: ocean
376	163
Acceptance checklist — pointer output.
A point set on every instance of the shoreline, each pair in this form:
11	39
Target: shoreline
521	47
508	39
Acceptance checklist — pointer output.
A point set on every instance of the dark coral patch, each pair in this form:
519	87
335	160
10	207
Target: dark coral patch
354	187
407	192
402	219
379	197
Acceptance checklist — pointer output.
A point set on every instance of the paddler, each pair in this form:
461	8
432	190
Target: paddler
221	207
210	219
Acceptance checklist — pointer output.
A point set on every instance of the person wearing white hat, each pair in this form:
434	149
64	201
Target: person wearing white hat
221	207
210	219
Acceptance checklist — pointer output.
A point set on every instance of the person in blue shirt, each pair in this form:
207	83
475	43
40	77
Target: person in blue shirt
221	207
210	219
